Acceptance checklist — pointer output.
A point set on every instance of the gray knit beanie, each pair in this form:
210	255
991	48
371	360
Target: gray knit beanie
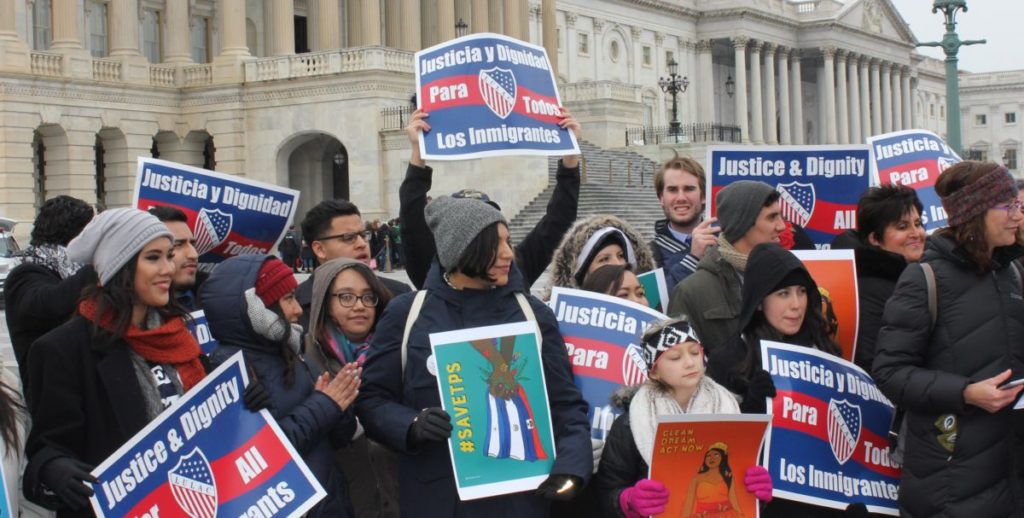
738	205
111	239
455	223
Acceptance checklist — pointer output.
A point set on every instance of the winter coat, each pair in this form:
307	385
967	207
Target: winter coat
877	273
532	255
958	458
87	401
672	254
711	300
304	294
312	421
563	264
38	301
389	400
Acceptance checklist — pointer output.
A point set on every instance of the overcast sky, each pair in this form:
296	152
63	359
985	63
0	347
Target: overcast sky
998	21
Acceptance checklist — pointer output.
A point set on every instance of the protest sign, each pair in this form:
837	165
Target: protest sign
828	441
819	185
702	458
491	381
655	289
835	273
913	158
200	329
5	501
602	335
489	95
207	455
228	215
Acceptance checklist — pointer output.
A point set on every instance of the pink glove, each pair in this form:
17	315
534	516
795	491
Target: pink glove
759	483
645	498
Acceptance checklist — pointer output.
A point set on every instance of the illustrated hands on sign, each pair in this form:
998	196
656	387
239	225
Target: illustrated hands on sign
344	387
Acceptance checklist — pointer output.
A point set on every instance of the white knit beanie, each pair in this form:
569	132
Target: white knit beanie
111	239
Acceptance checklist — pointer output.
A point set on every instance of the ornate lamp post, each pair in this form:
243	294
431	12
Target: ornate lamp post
673	84
951	44
461	28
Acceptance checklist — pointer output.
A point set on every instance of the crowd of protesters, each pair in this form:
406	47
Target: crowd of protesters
97	313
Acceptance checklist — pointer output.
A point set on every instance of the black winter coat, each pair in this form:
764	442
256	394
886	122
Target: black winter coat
87	401
978	334
312	422
389	400
38	301
532	255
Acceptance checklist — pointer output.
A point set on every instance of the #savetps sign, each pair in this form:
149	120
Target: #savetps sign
819	185
828	441
228	215
489	95
205	456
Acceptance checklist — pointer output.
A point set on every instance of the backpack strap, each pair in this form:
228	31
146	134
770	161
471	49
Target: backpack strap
933	298
525	306
414	313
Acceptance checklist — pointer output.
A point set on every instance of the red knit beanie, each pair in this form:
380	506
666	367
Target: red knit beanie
274	281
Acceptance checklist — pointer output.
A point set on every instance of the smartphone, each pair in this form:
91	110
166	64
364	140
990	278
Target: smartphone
1011	384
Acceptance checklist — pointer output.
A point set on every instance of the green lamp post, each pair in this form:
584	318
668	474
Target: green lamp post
951	44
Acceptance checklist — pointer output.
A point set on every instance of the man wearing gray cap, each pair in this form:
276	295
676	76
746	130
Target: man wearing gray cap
749	214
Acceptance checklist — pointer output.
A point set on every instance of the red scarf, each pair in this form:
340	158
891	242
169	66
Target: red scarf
170	343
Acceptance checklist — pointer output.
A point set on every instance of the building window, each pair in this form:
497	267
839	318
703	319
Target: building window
981	119
931	109
613	51
200	39
1010	158
151	35
584	43
97	23
942	111
647	56
1010	117
669	56
558	37
41	33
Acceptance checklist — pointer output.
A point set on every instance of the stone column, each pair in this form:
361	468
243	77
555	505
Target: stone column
842	101
233	47
885	69
177	38
495	12
354	21
865	97
370	15
707	85
740	48
70	166
635	32
411	29
445	20
13	50
570	47
876	99
283	41
756	110
392	23
511	18
856	137
692	66
785	135
67	25
897	99
796	97
770	127
124	29
829	110
908	100
479	20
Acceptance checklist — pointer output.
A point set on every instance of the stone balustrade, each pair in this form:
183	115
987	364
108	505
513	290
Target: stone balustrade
161	75
329	62
197	75
106	70
47	63
593	90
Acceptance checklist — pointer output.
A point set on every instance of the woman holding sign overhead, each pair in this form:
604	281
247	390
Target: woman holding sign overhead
473	283
102	376
951	348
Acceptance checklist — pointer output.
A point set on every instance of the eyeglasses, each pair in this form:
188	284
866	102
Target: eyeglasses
348	300
347	237
1011	208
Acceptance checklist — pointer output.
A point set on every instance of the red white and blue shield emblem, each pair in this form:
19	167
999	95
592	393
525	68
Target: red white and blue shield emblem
193	486
498	89
797	202
212	228
945	162
634	368
844	425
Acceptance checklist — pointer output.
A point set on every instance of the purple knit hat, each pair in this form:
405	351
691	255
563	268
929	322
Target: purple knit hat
974	199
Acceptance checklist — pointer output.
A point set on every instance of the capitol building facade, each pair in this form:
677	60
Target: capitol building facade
312	94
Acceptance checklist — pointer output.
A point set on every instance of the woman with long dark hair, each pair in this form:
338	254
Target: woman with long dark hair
711	493
944	358
617	280
126	355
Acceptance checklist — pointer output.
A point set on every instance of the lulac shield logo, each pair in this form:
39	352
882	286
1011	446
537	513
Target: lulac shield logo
498	89
634	368
797	202
193	486
212	228
844	426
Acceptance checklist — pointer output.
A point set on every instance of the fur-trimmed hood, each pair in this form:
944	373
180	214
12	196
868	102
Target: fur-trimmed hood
563	263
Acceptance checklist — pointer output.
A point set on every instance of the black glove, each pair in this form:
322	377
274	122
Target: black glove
255	397
759	387
857	510
433	424
65	477
560	487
